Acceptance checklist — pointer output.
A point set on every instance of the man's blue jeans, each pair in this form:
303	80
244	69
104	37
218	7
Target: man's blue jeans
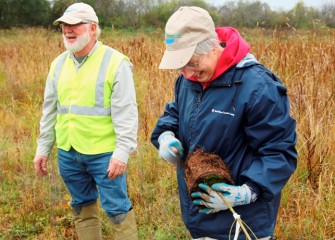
85	176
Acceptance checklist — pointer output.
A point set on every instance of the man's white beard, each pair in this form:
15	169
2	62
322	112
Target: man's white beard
80	43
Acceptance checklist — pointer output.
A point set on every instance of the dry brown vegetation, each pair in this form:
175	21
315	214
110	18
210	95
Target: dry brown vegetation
32	207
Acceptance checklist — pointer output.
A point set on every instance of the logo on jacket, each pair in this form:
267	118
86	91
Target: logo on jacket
223	112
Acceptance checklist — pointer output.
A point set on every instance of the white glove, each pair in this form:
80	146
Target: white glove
235	195
170	147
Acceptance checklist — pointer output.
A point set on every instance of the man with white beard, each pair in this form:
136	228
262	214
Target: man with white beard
90	111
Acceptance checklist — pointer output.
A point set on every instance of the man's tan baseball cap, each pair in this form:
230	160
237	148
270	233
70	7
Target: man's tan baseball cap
187	27
76	13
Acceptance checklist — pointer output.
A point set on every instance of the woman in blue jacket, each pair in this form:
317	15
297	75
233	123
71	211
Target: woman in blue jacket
229	104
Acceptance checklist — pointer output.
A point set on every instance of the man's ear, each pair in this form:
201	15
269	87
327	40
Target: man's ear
93	29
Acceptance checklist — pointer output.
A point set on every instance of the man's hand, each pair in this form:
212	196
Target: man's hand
170	147
40	163
116	168
235	195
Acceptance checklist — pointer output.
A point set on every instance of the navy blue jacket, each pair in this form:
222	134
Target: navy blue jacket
243	116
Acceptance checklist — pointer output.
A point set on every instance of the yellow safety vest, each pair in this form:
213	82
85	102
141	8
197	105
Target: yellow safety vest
84	101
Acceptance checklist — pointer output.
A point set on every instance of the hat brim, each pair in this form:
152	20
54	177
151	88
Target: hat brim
175	59
68	19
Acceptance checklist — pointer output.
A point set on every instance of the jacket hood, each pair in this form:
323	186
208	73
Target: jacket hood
236	49
247	60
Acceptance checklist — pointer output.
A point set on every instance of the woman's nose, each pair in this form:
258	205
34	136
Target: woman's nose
188	72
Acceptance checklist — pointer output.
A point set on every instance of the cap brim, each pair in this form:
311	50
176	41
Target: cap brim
68	19
175	59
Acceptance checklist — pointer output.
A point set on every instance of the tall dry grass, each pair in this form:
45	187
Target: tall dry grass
32	207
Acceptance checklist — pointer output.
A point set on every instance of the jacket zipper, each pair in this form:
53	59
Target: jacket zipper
199	99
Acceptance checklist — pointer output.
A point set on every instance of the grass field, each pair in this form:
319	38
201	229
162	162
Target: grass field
32	207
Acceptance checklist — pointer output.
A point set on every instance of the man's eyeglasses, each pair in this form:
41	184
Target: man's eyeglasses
62	25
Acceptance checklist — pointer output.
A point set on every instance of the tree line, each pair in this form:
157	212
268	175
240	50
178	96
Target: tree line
135	14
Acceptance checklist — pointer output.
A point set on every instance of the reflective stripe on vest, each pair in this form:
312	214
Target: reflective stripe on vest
98	109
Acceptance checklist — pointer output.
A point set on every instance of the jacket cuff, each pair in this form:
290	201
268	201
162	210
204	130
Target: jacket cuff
43	151
121	155
255	190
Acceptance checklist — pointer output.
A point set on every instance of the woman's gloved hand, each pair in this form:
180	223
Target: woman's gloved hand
210	199
170	147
